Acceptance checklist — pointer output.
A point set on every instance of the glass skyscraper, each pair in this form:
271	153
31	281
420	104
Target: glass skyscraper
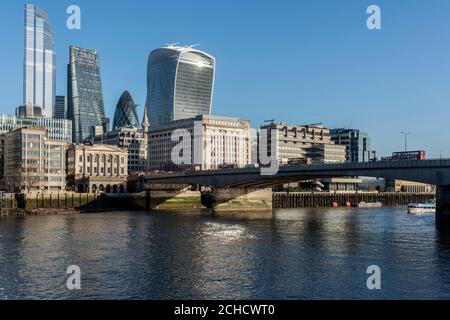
60	111
85	97
357	144
180	83
125	115
39	68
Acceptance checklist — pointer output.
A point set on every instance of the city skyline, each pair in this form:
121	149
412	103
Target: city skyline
210	152
344	75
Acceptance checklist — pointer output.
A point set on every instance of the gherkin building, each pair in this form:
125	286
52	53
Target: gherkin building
126	114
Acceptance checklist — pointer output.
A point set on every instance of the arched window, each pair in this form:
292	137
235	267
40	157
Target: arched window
304	133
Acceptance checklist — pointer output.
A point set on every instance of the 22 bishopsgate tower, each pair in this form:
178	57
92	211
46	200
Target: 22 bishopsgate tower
85	97
39	61
180	84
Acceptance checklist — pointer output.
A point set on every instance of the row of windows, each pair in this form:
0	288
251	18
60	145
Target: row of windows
102	158
101	170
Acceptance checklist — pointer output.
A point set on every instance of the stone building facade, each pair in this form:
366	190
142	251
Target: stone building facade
312	142
133	139
97	168
214	142
32	162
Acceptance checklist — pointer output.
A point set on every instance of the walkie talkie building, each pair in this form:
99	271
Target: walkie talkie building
180	83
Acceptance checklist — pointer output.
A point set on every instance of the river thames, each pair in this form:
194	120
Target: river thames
295	254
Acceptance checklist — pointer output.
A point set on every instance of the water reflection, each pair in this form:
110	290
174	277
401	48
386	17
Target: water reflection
292	254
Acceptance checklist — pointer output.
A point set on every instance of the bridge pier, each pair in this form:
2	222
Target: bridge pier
443	206
241	200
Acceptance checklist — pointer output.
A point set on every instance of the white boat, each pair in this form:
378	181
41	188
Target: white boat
363	204
419	208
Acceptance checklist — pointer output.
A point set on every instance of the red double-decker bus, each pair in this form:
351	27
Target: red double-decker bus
409	155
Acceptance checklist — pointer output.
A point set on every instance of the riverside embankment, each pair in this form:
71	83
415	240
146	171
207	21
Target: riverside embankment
322	199
70	203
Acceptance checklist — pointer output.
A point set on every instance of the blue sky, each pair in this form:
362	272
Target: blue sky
295	61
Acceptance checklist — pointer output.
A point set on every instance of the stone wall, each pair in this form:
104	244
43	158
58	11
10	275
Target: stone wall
231	200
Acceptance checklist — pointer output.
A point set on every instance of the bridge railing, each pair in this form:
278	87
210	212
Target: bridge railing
319	167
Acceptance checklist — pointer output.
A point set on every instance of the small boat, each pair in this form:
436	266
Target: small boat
418	208
363	204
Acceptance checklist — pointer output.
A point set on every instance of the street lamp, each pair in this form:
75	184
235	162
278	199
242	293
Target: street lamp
406	134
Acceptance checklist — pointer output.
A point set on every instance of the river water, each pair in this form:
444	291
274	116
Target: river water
294	254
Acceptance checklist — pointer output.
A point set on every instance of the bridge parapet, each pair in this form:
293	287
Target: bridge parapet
435	172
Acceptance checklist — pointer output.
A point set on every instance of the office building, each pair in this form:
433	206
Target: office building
97	168
32	162
85	97
57	129
216	142
180	83
125	115
29	111
39	65
310	143
356	142
341	184
60	107
132	139
408	186
326	153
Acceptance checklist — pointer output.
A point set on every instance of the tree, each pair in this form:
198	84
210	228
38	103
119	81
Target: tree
30	179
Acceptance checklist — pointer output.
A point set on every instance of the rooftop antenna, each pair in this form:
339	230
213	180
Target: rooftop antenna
193	45
172	44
